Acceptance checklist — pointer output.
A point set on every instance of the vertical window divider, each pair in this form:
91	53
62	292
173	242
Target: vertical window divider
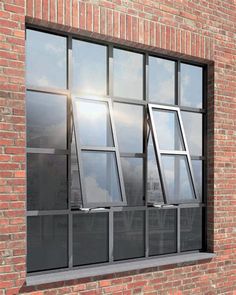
110	71
69	140
111	235
178	229
177	83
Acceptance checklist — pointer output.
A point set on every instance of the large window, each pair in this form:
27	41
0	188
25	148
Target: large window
116	148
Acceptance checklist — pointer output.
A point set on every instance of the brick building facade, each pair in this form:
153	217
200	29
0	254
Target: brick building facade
201	31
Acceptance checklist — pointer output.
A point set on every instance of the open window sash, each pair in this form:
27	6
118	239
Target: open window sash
172	154
99	165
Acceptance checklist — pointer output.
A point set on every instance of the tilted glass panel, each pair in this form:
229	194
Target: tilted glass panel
46	60
198	173
46	120
129	127
161	80
154	189
94	123
47	238
75	193
46	182
101	177
191	86
90	238
168	130
133	179
129	234
193	130
191	229
89	63
177	178
127	74
162	231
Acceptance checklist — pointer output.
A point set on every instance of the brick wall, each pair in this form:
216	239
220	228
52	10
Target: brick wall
196	28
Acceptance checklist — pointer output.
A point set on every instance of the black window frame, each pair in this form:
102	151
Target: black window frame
70	211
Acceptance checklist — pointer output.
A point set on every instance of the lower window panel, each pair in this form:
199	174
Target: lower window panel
162	231
129	241
190	229
90	238
47	242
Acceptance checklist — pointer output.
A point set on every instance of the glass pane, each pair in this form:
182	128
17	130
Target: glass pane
168	130
94	123
46	128
161	80
47	239
89	68
162	231
133	178
129	127
191	86
76	198
154	189
128	234
177	177
197	172
46	182
90	238
101	177
46	58
128	74
193	131
190	229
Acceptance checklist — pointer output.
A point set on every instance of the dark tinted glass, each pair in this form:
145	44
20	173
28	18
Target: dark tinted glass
94	123
46	120
76	198
197	172
161	80
128	74
101	177
191	86
154	189
46	59
162	231
168	130
177	177
129	127
193	131
90	238
47	238
128	234
191	229
89	68
46	182
133	178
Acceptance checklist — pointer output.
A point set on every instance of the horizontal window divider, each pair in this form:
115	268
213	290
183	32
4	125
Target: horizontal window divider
129	101
48	90
192	205
134	208
117	267
170	152
75	211
47	151
46	212
98	148
132	155
192	110
202	158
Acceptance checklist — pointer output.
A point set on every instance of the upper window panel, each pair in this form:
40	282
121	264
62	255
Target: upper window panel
128	74
129	127
168	130
94	123
161	80
46	60
46	128
191	86
89	68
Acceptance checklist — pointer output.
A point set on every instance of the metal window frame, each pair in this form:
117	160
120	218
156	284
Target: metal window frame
109	266
159	152
112	149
